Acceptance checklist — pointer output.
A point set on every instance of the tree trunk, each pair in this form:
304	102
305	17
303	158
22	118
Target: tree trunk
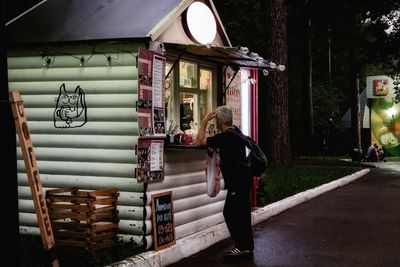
279	152
9	196
308	87
356	125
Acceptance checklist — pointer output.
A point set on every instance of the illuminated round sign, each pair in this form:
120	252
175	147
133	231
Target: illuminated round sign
200	23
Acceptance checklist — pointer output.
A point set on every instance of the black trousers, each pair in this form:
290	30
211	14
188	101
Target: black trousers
237	213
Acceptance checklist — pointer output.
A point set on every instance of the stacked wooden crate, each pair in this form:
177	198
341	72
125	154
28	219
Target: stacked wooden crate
85	223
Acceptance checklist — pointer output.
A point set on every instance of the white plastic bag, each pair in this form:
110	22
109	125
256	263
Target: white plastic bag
214	175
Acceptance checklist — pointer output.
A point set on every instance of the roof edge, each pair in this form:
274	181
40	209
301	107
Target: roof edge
163	24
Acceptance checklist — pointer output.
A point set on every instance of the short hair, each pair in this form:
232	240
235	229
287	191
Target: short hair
224	114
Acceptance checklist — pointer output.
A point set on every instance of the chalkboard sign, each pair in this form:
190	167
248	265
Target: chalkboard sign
163	220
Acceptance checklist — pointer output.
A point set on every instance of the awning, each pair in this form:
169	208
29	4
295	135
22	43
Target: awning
231	56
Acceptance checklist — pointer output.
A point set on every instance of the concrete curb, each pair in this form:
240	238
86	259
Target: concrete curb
194	243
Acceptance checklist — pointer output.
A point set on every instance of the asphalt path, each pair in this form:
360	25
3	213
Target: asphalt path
354	225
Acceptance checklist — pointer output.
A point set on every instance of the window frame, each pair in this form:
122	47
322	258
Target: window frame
177	89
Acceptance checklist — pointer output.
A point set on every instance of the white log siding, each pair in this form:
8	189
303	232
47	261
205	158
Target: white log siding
185	176
101	153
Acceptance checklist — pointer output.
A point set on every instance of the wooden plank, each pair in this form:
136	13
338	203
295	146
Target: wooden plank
61	190
66	206
32	171
84	219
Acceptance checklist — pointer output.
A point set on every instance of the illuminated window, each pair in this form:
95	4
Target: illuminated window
169	93
188	74
190	98
205	91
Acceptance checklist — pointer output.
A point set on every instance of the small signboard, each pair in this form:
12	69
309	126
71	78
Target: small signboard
163	220
381	87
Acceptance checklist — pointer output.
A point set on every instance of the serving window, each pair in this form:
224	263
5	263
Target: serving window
190	94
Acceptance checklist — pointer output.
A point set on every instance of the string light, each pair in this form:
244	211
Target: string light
108	63
254	55
281	67
268	65
46	61
272	65
82	62
244	49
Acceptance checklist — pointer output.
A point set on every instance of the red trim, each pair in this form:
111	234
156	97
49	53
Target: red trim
254	127
254	106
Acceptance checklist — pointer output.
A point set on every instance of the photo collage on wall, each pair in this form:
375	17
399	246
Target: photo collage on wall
151	117
150	160
159	95
151	97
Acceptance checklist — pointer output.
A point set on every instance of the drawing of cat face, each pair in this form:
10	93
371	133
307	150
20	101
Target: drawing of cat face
71	110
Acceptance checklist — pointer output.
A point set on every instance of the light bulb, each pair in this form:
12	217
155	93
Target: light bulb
108	63
46	62
281	67
252	81
82	62
244	50
272	65
260	60
265	72
163	51
253	55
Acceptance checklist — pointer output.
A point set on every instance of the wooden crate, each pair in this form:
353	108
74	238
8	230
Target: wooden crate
85	223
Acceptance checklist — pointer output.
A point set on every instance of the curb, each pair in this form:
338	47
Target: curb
194	243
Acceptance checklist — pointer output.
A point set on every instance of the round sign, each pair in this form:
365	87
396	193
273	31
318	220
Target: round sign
200	23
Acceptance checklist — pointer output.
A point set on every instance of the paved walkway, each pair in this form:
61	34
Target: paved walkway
354	225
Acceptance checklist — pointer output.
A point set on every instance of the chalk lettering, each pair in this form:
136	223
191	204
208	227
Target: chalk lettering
167	216
162	207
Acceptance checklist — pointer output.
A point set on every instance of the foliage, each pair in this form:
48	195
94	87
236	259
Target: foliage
396	83
244	23
327	106
36	256
303	175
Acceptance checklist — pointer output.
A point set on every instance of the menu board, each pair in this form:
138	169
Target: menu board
150	160
163	220
151	96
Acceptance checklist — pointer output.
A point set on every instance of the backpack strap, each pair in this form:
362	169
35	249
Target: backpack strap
245	138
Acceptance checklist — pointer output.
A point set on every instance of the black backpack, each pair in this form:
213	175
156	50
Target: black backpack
256	161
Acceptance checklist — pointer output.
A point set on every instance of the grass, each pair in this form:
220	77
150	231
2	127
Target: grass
33	255
305	173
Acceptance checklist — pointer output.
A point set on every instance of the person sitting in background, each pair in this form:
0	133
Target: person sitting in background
372	153
381	154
